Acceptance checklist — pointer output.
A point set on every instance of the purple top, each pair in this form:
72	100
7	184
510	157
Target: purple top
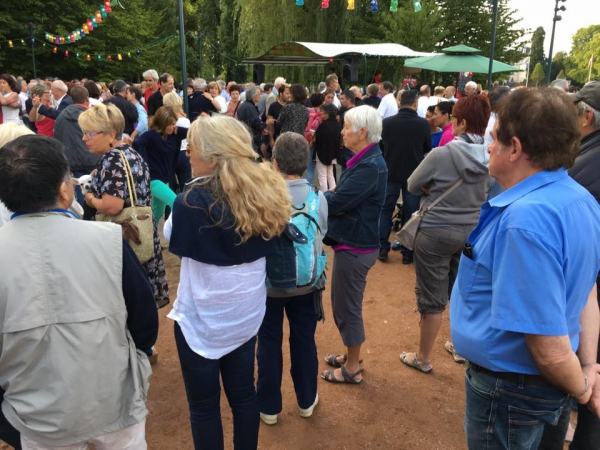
339	247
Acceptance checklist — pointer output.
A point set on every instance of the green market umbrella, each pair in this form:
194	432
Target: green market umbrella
459	58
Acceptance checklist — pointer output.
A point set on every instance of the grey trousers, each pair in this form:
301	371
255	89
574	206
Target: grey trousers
436	256
348	284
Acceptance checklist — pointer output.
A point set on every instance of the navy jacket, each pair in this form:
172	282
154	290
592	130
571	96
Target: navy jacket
355	205
406	138
54	113
196	234
248	113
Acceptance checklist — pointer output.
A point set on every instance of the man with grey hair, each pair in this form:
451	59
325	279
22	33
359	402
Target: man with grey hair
61	100
201	103
358	95
470	88
272	97
151	79
561	84
248	114
127	108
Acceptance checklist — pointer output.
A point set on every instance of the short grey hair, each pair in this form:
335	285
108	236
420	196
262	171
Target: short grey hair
252	92
278	82
582	107
151	73
322	86
199	84
561	84
60	85
291	153
471	84
368	118
221	84
119	86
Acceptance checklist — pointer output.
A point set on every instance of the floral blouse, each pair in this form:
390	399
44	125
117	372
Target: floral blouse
111	176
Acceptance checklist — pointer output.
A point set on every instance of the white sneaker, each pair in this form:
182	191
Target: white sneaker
269	419
308	412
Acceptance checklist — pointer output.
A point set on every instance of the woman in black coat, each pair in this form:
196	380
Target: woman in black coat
327	145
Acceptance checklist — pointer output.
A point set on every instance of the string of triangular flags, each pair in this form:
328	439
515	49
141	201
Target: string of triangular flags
374	5
86	28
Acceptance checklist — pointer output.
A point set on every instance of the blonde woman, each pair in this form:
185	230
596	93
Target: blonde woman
102	126
222	227
183	170
215	91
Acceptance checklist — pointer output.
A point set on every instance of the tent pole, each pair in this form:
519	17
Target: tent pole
365	74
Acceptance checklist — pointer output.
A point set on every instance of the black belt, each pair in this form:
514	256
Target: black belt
511	377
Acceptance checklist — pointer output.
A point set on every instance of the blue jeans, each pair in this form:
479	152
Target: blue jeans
410	204
201	379
302	319
502	415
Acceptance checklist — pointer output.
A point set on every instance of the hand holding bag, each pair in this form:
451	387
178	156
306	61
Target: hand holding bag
136	221
406	236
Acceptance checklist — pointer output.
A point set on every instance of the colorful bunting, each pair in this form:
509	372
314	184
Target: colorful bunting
374	6
417	5
350	5
87	26
325	4
299	2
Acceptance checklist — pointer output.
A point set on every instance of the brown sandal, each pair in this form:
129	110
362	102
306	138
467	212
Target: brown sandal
329	375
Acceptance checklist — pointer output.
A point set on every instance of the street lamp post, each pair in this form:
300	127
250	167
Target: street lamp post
493	44
183	62
31	28
556	18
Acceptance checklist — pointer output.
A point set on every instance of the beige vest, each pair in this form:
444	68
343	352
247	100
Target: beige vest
68	363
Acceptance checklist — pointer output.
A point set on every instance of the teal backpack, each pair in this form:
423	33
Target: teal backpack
310	256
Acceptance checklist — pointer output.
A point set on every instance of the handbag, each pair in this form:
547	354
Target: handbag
407	235
136	221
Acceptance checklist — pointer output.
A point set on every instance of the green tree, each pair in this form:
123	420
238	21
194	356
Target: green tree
538	73
561	75
586	42
558	65
537	54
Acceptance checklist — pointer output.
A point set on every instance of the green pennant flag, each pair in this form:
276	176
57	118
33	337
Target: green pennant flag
417	5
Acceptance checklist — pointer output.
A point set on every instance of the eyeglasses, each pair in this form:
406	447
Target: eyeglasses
91	134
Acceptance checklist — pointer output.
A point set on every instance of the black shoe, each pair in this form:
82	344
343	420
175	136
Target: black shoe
407	259
383	254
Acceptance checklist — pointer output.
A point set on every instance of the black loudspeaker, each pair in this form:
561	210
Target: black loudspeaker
258	74
350	72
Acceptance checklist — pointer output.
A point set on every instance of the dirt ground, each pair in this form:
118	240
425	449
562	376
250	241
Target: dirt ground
395	407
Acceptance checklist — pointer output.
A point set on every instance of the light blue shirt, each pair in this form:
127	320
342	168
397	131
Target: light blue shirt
142	123
536	256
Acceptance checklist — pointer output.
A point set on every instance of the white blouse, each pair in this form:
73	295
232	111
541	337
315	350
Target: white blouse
218	308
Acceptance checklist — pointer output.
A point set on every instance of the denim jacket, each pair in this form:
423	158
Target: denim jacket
355	206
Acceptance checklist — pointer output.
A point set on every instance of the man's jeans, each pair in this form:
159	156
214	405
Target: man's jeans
302	319
502	415
410	205
201	379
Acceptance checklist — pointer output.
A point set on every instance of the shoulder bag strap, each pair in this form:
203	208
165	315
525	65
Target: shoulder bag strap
130	183
443	196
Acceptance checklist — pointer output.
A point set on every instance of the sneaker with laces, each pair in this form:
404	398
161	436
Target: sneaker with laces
308	412
269	419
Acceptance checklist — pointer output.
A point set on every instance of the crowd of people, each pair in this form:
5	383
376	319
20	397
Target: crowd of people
502	186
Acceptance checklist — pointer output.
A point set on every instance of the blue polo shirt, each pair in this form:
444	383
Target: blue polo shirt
536	256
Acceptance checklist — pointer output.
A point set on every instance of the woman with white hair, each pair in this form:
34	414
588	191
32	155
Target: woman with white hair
353	232
222	227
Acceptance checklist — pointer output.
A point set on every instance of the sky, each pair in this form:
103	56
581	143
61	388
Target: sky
539	13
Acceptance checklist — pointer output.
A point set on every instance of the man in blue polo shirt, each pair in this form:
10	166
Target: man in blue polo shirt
523	308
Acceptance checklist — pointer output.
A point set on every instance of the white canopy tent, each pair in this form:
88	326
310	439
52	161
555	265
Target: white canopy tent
293	53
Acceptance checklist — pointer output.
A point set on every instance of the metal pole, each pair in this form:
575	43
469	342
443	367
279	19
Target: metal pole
493	44
183	63
200	52
32	41
552	44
